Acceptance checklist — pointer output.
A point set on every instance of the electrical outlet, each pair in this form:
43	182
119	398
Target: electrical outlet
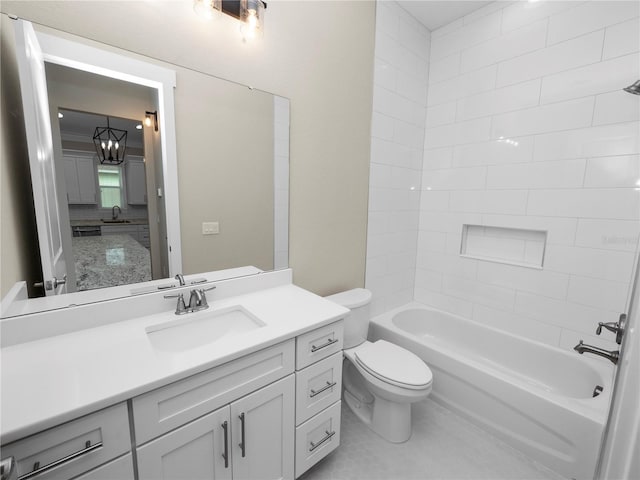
210	228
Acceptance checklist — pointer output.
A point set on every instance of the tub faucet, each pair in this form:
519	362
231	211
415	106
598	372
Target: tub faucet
612	355
114	215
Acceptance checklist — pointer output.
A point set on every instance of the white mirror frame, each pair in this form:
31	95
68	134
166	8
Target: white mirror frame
101	62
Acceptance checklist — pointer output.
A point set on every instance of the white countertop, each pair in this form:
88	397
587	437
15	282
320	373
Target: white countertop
53	380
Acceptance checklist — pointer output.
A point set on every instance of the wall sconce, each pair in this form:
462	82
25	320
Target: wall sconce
249	12
148	119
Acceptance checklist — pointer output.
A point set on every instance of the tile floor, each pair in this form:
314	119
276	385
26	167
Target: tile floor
443	446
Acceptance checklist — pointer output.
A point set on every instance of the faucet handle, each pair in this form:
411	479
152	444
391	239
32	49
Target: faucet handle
181	307
612	327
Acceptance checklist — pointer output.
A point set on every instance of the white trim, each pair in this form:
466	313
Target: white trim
122	67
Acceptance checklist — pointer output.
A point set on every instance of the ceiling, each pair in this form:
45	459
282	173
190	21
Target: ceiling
83	125
435	14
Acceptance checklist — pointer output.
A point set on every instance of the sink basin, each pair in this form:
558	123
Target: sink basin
196	329
115	221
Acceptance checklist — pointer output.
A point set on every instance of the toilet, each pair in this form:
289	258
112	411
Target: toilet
381	380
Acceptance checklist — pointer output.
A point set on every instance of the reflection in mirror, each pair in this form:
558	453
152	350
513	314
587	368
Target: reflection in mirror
232	171
107	200
106	205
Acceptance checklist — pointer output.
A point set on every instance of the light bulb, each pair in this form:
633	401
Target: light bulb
205	8
147	121
117	145
110	144
252	19
103	145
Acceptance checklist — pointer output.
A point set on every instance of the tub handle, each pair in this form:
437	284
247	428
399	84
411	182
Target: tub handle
329	341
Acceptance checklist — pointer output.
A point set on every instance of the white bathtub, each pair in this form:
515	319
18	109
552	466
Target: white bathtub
535	397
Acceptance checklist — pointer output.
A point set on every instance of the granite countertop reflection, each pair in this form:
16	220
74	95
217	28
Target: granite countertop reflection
110	260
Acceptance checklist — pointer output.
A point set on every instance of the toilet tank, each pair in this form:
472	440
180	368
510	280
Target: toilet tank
356	325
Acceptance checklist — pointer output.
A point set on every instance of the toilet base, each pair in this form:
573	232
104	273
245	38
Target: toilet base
392	420
389	419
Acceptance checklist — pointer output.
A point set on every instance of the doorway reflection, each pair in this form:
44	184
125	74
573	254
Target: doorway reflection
107	203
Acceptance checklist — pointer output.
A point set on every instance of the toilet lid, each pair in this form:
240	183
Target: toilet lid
393	364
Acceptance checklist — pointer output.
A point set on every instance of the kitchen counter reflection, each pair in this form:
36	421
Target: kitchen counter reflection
110	260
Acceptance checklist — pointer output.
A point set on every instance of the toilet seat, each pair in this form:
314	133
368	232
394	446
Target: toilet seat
393	364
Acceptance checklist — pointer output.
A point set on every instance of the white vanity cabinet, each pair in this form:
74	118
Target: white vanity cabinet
223	431
76	448
318	391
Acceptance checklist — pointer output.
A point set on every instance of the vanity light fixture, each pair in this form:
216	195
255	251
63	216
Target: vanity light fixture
148	116
252	16
249	12
205	8
110	144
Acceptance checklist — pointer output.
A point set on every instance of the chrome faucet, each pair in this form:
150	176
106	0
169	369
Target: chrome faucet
114	215
180	279
611	355
197	300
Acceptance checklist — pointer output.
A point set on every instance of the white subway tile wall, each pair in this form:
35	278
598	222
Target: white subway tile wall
399	116
527	128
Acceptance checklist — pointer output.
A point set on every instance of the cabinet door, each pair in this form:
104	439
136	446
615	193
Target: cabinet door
195	451
71	179
136	182
86	179
80	180
263	432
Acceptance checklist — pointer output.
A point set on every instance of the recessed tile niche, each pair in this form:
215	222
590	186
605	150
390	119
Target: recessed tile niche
514	246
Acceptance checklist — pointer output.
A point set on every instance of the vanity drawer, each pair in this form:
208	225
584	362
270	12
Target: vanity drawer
121	469
169	407
318	344
73	448
317	437
318	386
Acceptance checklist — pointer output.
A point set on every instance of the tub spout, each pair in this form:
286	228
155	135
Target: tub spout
612	355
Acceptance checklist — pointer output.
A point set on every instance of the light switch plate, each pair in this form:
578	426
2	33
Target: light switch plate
210	228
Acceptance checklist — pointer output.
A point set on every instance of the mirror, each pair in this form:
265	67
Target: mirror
232	163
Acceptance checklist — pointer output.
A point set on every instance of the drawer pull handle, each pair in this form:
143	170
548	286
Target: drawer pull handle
225	455
326	438
38	470
330	341
326	387
241	444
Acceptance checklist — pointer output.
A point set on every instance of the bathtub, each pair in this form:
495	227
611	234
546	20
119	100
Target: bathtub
537	398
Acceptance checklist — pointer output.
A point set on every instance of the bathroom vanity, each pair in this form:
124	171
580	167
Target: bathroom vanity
248	388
